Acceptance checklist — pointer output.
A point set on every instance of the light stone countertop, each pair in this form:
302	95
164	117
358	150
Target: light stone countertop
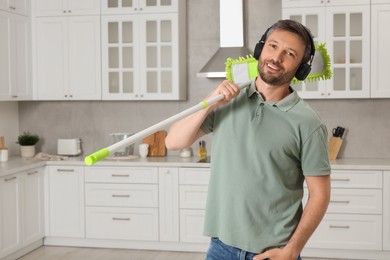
18	164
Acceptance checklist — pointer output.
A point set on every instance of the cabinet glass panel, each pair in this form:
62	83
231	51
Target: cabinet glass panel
113	32
356	24
356	52
127	32
339	52
151	31
166	82
113	57
151	57
151	84
128	80
339	79
113	84
127	56
312	24
356	79
166	31
166	2
339	24
127	3
151	2
297	18
166	56
112	3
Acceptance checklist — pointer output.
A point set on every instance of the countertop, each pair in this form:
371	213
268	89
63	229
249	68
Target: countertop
17	164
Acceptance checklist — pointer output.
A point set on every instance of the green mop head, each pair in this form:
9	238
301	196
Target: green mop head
244	69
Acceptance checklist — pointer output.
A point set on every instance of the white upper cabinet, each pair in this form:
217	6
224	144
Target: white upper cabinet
16	6
140	53
138	6
314	3
15	62
67	7
346	32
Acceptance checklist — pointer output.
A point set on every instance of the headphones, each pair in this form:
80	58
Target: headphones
304	68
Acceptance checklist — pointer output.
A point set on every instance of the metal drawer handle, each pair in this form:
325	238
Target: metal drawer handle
336	226
10	179
120	175
346	179
31	173
340	201
120	196
121	219
65	170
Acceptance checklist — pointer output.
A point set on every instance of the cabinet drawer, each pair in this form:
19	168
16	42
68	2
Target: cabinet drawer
195	176
193	197
121	174
336	231
360	201
356	179
191	226
122	223
121	195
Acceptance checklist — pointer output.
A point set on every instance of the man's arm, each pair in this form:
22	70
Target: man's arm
186	131
319	196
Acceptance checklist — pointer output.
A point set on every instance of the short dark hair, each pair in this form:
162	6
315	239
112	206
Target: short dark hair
297	28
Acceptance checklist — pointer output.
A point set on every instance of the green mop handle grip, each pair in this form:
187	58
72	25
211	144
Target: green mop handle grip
97	156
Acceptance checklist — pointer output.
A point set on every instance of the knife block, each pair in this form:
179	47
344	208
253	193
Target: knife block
334	147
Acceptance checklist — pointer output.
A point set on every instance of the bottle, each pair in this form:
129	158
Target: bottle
202	153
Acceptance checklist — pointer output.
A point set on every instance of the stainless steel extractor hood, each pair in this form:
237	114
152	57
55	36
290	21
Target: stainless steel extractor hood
231	39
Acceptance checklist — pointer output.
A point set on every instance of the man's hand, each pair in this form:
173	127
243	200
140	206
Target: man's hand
228	89
275	254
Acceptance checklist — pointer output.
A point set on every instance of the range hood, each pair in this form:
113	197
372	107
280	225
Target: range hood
231	39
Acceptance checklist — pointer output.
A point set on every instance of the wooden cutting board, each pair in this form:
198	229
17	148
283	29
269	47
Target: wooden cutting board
156	143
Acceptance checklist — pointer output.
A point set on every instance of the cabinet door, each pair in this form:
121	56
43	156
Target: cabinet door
67	7
9	215
66	201
158	6
159	67
314	20
50	7
32	206
191	226
120	6
169	204
386	210
21	6
380	40
85	7
5	54
120	56
84	58
348	43
302	3
51	53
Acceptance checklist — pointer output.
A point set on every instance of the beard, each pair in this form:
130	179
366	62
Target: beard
275	80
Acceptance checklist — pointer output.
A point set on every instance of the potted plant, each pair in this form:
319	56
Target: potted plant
27	143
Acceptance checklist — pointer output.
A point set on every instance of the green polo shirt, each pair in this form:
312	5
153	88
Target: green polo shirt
260	153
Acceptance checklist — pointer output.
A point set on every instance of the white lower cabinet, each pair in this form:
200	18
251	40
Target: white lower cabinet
66	201
193	193
386	210
21	210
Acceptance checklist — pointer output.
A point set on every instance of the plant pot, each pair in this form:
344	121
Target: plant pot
27	151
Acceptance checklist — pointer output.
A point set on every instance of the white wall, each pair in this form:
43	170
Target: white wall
9	125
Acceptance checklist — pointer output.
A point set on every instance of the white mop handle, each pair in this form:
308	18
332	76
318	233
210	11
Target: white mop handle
91	159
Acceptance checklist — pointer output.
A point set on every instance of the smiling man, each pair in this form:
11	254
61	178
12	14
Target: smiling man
266	142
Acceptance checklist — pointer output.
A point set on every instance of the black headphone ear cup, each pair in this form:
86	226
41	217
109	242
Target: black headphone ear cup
258	49
303	71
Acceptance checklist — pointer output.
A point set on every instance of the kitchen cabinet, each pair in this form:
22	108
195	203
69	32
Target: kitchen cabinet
68	58
138	6
21	7
345	28
386	210
354	216
21	210
10	240
168	183
15	64
380	40
193	194
121	203
66	201
143	53
320	3
67	7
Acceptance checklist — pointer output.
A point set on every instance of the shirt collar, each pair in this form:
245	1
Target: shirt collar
285	104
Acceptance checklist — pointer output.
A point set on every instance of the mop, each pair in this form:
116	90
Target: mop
241	71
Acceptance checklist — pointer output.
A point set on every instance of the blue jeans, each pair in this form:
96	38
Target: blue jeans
220	251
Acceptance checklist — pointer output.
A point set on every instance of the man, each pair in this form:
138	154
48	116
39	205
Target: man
266	142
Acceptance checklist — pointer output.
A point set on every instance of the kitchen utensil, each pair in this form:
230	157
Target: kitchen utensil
143	150
335	142
105	152
156	143
70	147
125	151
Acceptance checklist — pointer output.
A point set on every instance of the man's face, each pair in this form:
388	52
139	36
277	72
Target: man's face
280	58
